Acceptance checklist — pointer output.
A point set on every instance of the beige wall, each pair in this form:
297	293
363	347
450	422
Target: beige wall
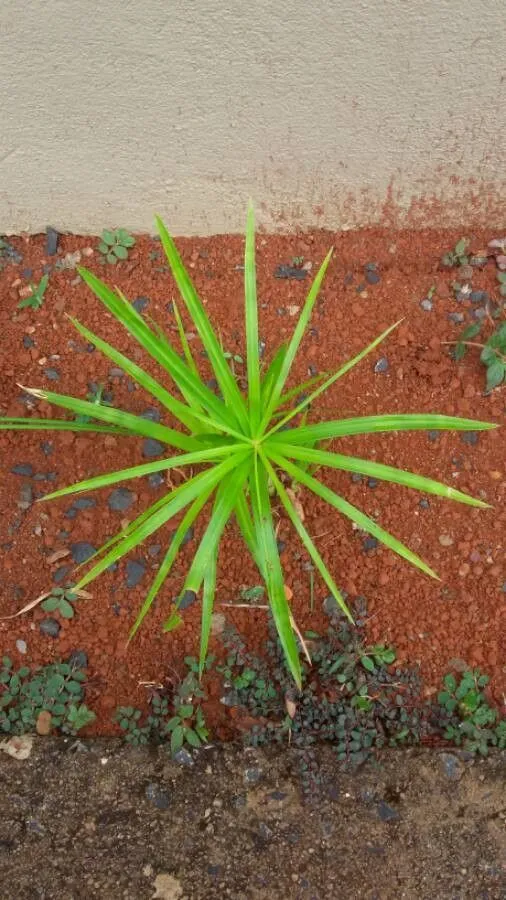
334	112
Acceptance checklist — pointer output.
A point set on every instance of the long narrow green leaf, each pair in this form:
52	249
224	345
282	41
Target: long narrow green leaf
185	495
150	384
225	379
300	388
271	565
351	512
306	539
373	424
19	423
188	355
140	426
174	546
272	374
185	459
226	499
251	309
376	470
207	610
161	351
293	346
247	529
339	374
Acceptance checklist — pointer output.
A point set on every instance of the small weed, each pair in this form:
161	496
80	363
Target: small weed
57	688
115	245
61	600
36	298
493	351
252	594
96	397
465	715
297	262
458	256
174	716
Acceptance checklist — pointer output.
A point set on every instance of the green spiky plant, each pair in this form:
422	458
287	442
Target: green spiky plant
243	444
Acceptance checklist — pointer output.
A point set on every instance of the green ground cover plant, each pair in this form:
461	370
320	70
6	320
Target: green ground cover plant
245	447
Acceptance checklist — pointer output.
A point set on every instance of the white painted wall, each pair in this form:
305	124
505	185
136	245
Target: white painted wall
331	112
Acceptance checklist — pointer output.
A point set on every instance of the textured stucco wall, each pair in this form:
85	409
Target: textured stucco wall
335	113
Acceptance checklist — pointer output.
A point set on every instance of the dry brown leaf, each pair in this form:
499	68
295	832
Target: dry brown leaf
296	502
58	554
44	722
291	706
28	606
288	592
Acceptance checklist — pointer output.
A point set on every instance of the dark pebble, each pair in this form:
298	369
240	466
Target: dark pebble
479	314
187	599
45	476
452	766
156	479
46	447
121	499
330	606
183	758
52	238
115	372
46	269
369	543
281	545
157	796
479	296
70	513
387	813
61	574
212	384
84	503
356	477
348	279
28	342
25	469
456	317
253	775
152	414
372	276
281	311
433	436
140	304
188	537
131	386
90	348
312	370
381	366
135	569
78	659
154	549
214	871
424	503
372	483
360	288
151	448
470	437
25	496
81	551
52	374
27	273
290	272
50	627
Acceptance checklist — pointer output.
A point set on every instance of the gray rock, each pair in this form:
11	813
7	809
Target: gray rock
369	543
50	627
426	304
479	296
188	536
470	437
52	374
121	499
372	483
70	513
183	758
330	605
157	796
253	775
381	365
115	372
81	551
46	447
452	766
84	503
152	448
78	659
356	477
140	304
433	436
293	272
154	549
156	479
28	342
372	276
479	314
424	503
25	469
456	317
61	574
187	599
387	813
135	569
25	496
21	646
52	238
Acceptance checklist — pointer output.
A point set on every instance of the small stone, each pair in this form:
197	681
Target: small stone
44	722
81	551
381	365
265	833
50	627
188	536
121	499
261	348
183	758
156	479
424	503
372	276
426	304
356	477
28	342
445	540
154	549
479	296
78	659
479	314
281	545
312	370
452	766
433	436
135	570
157	796
52	374
140	304
187	599
115	373
52	238
361	288
456	317
387	813
252	776
151	448
46	447
21	647
84	503
61	574
25	469
284	271
372	483
330	606
25	496
470	437
464	570
369	543
218	622
152	414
